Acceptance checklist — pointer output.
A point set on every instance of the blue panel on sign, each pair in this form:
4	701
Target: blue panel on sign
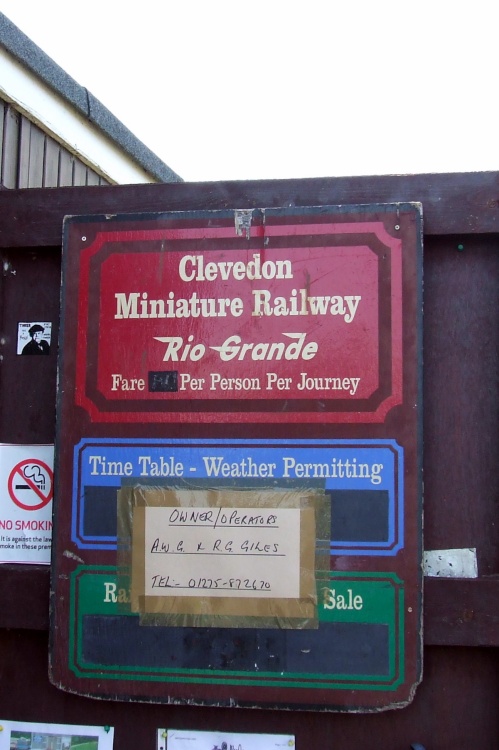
359	516
99	518
362	479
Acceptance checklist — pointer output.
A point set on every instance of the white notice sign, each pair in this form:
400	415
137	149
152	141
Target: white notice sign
184	739
26	491
26	735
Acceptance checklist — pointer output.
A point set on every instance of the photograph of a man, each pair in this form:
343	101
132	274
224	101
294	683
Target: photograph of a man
37	345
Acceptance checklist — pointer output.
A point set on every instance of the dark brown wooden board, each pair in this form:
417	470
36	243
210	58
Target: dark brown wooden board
453	204
456	704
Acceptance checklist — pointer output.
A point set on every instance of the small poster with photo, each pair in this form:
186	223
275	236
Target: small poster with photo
20	735
34	337
184	739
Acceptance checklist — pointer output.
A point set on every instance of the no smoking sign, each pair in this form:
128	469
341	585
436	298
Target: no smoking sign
31	484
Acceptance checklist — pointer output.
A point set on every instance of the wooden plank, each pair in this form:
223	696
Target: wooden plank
459	204
457	612
26	588
30	292
65	168
79	173
92	177
461	405
24	147
461	612
2	119
51	163
10	156
36	157
455	708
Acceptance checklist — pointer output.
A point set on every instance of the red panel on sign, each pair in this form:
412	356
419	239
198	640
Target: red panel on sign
186	323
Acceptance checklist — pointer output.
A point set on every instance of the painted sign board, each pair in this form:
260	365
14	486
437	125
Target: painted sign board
238	503
241	325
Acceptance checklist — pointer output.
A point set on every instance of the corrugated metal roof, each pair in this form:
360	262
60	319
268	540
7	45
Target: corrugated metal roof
43	67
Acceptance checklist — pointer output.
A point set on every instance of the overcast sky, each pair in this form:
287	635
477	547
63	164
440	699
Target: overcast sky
275	88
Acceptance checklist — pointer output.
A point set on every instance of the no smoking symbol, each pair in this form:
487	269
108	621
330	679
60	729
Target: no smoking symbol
31	484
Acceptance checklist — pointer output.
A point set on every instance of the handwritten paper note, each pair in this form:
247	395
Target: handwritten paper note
233	552
220	553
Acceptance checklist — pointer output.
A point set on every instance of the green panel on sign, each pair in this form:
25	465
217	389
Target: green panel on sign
363	597
360	635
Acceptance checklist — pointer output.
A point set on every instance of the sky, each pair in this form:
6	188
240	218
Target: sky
279	89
